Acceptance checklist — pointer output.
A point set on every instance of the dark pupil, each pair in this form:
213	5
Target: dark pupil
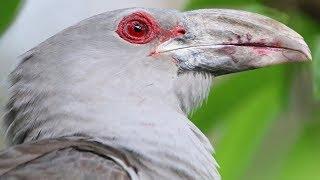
138	28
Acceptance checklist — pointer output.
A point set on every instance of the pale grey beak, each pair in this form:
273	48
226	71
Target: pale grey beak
224	41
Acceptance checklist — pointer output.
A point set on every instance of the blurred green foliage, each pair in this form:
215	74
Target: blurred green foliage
316	67
8	9
247	113
304	159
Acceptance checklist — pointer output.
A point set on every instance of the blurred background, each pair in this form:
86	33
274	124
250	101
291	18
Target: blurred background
264	124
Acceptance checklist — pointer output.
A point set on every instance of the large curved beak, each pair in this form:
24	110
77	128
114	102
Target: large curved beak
224	41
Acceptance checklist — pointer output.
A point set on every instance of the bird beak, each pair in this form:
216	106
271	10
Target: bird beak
227	41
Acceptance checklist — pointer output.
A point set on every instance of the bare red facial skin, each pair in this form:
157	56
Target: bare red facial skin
168	34
142	28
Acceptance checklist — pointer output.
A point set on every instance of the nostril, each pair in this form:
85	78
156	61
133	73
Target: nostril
178	31
181	31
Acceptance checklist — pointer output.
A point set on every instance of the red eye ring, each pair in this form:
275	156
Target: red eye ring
138	28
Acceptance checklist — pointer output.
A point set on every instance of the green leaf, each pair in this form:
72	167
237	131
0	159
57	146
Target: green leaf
8	9
303	160
244	132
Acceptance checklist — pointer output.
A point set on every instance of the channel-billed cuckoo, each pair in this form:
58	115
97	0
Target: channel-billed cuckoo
108	98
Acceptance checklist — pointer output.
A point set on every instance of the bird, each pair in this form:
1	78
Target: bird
109	97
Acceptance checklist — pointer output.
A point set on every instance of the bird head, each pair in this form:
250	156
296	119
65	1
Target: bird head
138	57
216	41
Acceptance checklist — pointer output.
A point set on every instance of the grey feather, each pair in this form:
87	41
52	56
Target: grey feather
64	158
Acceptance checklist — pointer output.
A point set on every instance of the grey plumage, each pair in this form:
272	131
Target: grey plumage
87	81
63	158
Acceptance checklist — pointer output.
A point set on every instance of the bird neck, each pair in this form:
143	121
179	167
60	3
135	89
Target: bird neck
150	132
153	133
143	113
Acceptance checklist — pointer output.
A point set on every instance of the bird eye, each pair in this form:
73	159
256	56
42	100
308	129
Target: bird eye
138	28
